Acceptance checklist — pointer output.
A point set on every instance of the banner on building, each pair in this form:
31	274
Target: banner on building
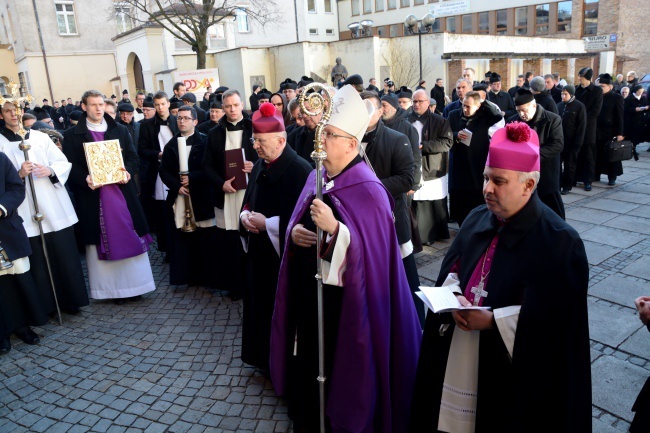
596	42
449	8
198	80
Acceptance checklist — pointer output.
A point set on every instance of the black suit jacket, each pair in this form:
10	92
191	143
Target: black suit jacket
149	149
592	97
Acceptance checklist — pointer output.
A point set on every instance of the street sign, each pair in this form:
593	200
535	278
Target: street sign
612	38
597	42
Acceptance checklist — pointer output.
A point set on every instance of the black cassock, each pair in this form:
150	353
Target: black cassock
273	190
540	264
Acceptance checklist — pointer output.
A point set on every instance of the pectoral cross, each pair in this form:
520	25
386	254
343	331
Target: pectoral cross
479	293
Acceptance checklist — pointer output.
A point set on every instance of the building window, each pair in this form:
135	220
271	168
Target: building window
590	26
394	30
328	6
329	32
521	21
242	21
392	4
311	6
216	37
502	22
367	6
541	19
405	3
451	25
123	17
484	23
355	7
65	17
418	2
466	21
313	31
564	13
379	5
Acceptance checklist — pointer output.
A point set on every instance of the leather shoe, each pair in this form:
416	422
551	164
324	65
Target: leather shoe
587	187
5	346
134	298
611	183
28	336
565	191
119	301
71	310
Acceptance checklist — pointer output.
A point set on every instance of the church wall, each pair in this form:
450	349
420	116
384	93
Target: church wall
357	55
230	64
319	61
289	61
255	63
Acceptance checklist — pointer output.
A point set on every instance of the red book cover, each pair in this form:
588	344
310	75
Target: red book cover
234	167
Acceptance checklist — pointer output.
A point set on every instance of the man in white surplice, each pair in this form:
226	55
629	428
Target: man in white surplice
523	365
234	131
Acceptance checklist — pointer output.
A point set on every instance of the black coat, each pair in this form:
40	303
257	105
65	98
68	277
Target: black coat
214	161
149	149
513	91
550	370
455	105
400	123
551	142
254	102
468	162
610	119
437	140
201	114
504	101
592	97
134	130
301	140
574	124
546	100
86	199
635	121
205	127
556	94
438	93
391	157
201	191
13	237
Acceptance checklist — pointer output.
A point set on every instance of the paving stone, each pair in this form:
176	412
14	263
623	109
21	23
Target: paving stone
613	237
620	289
638	344
590	215
598	253
640	268
609	204
621	323
616	384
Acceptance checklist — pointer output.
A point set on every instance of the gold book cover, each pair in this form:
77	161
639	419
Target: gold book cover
105	163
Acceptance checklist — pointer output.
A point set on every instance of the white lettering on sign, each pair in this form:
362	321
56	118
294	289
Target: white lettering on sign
596	42
448	8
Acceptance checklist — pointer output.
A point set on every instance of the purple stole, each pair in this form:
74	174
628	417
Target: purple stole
118	239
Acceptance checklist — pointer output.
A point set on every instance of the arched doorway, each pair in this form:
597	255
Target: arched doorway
137	73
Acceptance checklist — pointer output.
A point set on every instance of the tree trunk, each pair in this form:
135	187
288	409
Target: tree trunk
201	50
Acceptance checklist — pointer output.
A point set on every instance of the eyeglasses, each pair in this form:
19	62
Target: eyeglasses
416	101
184	119
260	141
328	135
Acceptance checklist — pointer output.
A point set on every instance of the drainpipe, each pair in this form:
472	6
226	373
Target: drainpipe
40	36
295	9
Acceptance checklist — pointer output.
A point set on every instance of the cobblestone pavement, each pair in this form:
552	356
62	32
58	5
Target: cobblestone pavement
170	363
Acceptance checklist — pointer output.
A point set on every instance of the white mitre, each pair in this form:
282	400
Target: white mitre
350	113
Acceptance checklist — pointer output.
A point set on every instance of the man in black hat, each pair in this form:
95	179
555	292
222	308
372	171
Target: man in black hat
125	97
43	115
574	124
263	96
148	110
542	95
501	99
174	106
551	142
288	88
254	103
405	98
304	80
216	113
592	96
355	81
190	99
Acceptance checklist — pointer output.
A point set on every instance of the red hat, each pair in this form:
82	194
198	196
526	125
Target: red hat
267	119
515	147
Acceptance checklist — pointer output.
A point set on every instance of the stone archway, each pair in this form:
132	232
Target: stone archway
134	75
137	74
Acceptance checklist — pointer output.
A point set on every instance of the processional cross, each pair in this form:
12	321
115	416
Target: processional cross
16	99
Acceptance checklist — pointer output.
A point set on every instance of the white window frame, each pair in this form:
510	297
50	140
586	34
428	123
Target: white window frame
243	24
123	17
66	15
328	2
312	11
314	33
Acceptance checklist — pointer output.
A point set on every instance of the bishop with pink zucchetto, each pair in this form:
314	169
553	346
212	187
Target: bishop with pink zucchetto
521	364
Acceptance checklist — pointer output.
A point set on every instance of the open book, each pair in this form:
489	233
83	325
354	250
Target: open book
442	300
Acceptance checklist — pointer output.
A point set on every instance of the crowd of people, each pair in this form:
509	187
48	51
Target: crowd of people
229	195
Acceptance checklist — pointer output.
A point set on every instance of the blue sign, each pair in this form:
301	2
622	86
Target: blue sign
612	37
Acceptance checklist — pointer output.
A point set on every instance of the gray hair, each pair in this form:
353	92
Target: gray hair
230	92
293	104
632	73
524	176
469	83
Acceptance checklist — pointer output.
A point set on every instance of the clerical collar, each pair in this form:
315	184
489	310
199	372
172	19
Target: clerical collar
187	137
236	121
270	163
12	136
97	127
235	126
161	121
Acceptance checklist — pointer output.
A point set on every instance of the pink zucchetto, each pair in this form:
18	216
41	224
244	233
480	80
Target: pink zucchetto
267	119
515	147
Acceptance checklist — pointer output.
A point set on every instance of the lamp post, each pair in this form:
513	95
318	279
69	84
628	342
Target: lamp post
411	23
359	29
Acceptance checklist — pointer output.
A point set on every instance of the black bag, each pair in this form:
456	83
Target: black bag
618	150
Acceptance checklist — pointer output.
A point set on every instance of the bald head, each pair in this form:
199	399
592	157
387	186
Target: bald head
420	101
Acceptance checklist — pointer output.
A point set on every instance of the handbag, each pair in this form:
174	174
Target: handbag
617	151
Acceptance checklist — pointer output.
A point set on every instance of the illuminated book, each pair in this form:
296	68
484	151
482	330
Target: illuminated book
105	163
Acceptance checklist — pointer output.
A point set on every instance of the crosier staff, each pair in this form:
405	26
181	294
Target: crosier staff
318	104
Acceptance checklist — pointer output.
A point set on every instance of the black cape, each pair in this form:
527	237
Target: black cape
540	264
272	191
